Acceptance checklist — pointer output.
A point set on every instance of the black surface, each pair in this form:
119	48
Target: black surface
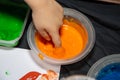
105	18
23	41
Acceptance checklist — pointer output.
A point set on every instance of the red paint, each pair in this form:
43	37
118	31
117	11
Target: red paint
30	76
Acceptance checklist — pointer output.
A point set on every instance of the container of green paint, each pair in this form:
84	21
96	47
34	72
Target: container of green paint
13	18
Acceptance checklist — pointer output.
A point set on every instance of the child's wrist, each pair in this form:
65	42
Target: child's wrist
38	4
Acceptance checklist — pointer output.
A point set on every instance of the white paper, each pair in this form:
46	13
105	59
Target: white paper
16	62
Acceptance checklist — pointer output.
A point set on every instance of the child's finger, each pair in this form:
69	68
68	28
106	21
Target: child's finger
44	34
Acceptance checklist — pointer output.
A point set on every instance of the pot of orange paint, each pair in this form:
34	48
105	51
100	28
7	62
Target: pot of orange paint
77	35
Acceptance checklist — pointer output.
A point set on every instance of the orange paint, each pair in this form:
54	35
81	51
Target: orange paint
30	76
40	56
50	75
74	39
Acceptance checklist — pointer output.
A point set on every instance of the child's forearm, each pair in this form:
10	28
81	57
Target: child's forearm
37	4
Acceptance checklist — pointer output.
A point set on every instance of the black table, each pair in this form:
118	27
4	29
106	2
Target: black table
105	18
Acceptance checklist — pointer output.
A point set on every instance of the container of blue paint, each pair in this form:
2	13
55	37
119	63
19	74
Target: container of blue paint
107	68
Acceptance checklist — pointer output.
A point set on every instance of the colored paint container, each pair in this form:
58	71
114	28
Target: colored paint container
107	68
73	36
109	72
13	18
76	24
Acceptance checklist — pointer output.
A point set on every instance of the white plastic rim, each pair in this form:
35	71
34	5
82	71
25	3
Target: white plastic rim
78	77
115	58
91	38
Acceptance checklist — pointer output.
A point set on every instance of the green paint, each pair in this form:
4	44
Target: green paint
7	73
12	16
10	27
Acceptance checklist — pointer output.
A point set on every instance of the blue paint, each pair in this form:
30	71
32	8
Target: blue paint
109	72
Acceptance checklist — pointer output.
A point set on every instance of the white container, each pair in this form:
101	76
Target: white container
91	39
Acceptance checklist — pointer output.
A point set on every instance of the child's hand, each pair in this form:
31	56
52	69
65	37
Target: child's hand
47	19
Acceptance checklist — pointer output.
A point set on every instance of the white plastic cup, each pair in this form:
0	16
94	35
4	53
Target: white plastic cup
91	39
